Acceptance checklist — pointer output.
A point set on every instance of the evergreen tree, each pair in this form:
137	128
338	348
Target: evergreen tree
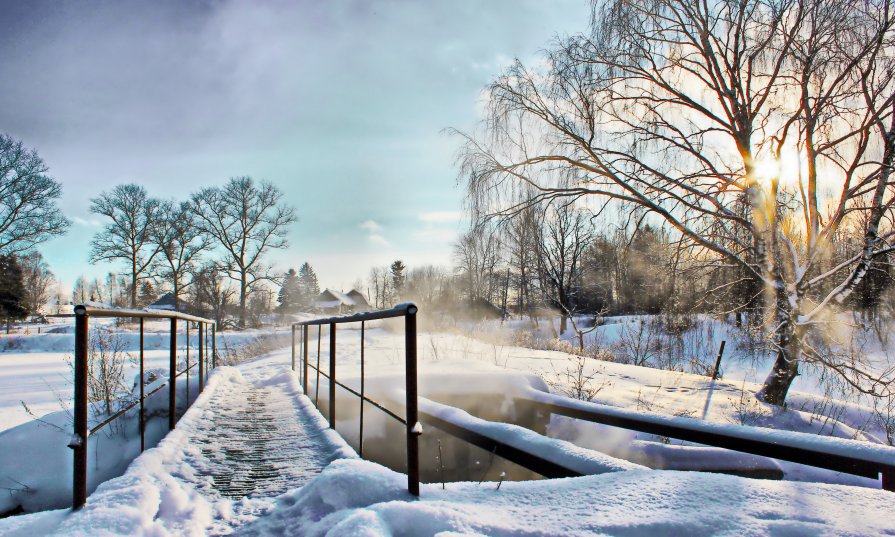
397	271
12	289
147	294
309	288
290	292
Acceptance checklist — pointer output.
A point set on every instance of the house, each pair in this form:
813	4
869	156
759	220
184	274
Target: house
337	302
165	302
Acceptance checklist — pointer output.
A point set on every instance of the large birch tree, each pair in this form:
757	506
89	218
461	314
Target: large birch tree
757	130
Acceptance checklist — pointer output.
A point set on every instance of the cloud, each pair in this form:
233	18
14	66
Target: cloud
378	240
372	226
88	223
430	235
440	216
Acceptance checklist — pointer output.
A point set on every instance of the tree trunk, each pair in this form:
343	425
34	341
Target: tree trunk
134	285
176	294
242	300
786	366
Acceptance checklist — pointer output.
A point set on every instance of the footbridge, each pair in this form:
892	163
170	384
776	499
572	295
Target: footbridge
242	436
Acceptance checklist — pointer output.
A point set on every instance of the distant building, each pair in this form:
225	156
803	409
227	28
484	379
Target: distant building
337	302
166	302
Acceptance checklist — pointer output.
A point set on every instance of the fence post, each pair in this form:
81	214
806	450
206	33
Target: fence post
332	375
214	345
201	327
293	347
172	379
304	343
142	381
78	442
360	432
413	431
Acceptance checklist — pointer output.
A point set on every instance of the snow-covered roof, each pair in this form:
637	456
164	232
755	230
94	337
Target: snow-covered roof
333	299
165	302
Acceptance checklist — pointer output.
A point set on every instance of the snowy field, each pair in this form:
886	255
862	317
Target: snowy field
35	370
160	495
467	366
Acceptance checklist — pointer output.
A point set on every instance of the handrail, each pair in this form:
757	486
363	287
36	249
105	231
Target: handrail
82	432
856	458
95	311
407	310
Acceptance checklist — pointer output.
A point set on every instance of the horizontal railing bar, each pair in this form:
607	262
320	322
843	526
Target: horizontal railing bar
397	311
137	402
775	444
363	397
185	370
139	314
544	467
125	409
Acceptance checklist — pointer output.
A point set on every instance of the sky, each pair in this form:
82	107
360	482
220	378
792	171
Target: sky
343	105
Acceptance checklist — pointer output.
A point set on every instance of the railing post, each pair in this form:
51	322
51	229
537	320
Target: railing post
413	430
304	343
214	345
201	357
142	381
172	379
332	375
78	441
360	432
293	348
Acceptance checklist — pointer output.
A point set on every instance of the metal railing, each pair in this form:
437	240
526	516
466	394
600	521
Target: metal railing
847	456
410	420
82	430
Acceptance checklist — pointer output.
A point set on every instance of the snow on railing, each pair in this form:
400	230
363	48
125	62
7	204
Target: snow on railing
842	455
82	432
410	421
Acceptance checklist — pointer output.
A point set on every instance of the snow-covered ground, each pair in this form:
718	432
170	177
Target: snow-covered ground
35	371
477	368
164	492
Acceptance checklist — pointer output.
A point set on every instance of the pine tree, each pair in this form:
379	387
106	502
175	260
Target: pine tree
147	294
290	292
397	271
12	289
309	288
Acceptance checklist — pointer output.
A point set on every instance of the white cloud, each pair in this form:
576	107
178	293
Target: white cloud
372	226
379	240
444	236
441	216
89	223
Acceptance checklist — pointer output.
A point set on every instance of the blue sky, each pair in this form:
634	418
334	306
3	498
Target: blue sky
340	104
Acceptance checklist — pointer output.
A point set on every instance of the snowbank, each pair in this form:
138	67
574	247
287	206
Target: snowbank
355	497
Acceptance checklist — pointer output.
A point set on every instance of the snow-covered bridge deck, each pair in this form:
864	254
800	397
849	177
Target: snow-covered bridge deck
250	437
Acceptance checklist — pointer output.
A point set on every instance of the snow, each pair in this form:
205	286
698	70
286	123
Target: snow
166	490
162	492
560	452
356	497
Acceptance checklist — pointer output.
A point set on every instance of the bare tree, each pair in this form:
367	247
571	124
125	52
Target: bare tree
687	108
129	235
181	242
211	293
28	211
37	280
246	219
477	255
564	236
